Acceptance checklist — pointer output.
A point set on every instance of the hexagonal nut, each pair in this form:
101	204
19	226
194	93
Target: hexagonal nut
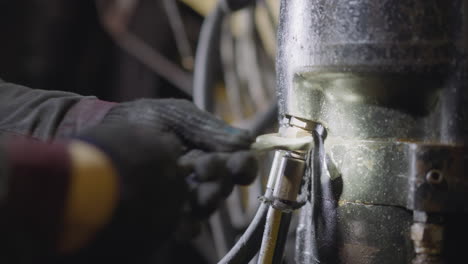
427	233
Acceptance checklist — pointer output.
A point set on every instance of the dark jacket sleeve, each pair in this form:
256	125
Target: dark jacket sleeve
47	114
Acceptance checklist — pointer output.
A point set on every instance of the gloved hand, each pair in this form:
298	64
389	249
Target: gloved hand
195	128
171	156
211	146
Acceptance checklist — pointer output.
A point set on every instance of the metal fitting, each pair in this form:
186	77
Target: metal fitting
427	233
427	238
288	181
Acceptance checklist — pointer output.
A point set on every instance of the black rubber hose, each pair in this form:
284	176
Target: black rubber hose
249	243
208	43
205	60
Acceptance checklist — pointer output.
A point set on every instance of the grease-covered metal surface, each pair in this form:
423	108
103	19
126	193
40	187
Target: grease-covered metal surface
373	234
364	234
374	185
416	176
369	172
388	35
352	115
385	66
381	76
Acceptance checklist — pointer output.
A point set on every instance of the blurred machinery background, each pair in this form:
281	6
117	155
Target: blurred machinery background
121	50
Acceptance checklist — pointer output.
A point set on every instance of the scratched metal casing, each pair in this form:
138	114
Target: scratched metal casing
375	69
378	75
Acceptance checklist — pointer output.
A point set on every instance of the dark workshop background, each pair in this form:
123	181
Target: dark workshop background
62	45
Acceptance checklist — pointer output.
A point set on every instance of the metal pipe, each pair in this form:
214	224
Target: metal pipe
270	236
248	245
287	186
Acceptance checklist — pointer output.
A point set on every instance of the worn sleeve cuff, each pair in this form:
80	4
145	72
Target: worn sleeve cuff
85	114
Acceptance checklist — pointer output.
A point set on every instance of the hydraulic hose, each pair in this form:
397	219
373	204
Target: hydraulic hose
205	59
208	44
249	243
283	203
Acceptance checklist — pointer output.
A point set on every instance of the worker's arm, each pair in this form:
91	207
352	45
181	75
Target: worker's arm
114	191
150	193
55	197
47	114
58	197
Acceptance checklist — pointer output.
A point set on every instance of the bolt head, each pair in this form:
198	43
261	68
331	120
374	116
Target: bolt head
434	176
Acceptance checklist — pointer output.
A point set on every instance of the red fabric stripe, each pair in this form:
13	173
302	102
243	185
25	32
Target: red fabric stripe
38	184
87	113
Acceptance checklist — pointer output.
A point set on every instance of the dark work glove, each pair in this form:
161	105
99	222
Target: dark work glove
197	129
215	156
176	164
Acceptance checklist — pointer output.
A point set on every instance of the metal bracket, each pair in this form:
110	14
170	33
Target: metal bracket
417	176
438	181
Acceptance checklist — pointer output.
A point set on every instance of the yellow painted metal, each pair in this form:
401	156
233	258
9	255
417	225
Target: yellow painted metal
203	7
